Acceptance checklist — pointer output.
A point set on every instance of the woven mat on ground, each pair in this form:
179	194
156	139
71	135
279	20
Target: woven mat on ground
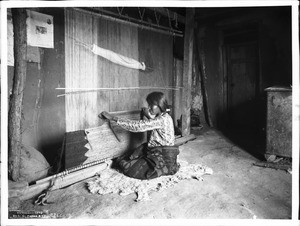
112	181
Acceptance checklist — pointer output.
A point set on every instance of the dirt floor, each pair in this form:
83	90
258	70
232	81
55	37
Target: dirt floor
236	190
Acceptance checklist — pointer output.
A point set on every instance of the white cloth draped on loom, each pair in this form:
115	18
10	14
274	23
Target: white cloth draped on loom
117	58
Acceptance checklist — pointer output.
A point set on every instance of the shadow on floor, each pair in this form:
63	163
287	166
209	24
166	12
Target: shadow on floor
248	139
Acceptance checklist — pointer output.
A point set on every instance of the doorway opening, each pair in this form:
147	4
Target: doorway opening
242	75
242	87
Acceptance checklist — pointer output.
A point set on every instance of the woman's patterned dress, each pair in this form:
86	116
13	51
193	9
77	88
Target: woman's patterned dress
156	158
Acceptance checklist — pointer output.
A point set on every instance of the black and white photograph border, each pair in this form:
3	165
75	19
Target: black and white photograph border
199	120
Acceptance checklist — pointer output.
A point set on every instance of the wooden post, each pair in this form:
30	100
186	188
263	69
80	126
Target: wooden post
177	94
187	71
199	51
16	99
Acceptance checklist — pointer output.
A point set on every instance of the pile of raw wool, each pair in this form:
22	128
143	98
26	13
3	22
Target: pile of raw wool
112	181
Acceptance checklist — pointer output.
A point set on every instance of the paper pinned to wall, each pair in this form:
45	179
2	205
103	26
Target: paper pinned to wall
39	29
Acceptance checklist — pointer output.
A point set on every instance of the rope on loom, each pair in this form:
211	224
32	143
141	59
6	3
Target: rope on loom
141	14
170	24
176	20
156	18
120	11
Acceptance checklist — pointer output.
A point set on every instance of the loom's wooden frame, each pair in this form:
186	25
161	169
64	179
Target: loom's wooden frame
187	71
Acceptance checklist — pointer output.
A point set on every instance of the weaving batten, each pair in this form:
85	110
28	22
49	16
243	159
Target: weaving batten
117	58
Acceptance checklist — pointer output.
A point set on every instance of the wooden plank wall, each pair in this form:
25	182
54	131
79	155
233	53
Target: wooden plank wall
86	70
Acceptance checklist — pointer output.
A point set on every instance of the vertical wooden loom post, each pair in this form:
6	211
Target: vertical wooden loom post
187	71
16	100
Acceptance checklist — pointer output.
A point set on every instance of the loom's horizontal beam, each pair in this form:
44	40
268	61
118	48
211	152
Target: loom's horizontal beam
85	90
139	24
119	88
162	11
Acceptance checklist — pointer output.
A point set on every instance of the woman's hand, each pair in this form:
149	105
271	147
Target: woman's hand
145	112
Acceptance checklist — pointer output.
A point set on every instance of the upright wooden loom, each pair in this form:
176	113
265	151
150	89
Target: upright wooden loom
90	151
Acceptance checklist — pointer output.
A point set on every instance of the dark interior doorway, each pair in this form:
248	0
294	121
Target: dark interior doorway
242	85
242	69
242	82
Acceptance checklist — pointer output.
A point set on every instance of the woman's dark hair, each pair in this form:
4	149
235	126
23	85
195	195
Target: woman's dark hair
159	99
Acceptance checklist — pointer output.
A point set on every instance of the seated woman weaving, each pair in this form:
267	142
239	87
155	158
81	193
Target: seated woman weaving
158	156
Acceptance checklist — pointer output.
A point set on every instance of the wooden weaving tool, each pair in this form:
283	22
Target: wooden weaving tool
102	120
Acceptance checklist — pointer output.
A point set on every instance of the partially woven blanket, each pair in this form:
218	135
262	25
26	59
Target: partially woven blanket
112	181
